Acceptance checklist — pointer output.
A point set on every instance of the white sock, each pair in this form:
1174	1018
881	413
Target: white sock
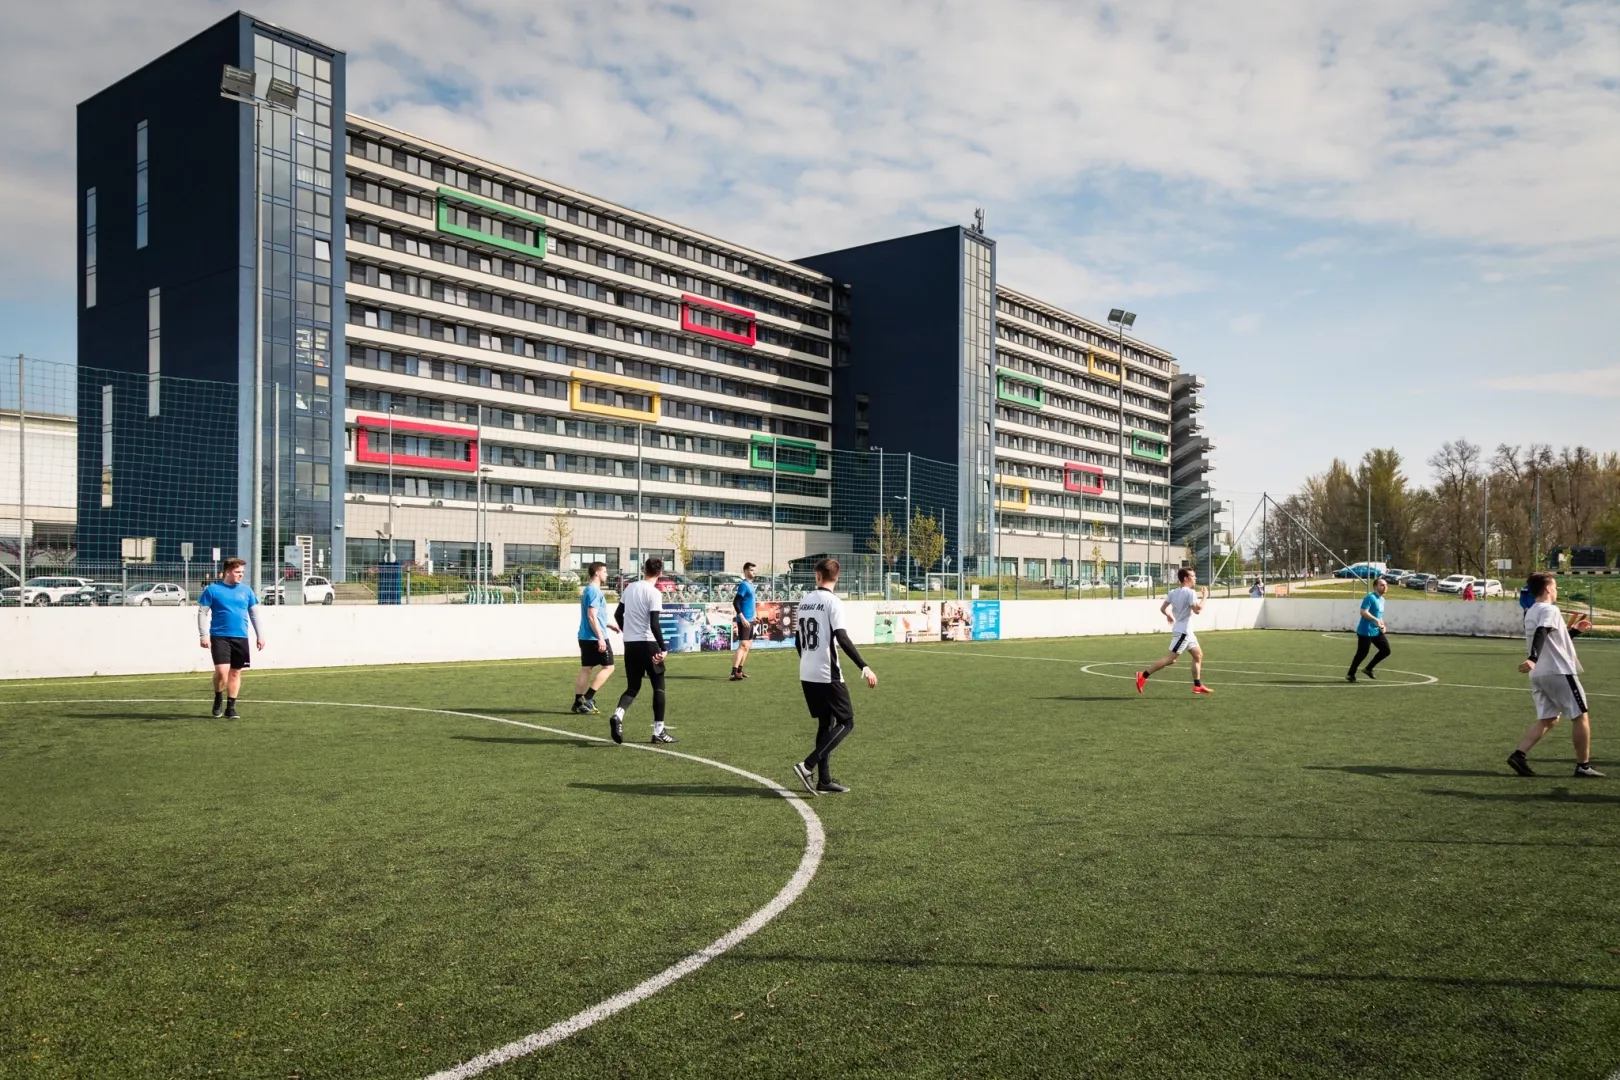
618	714
658	727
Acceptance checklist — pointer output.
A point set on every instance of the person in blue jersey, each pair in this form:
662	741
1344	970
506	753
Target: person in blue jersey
744	603
225	610
595	650
1370	631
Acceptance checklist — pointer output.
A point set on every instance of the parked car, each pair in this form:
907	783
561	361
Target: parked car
1395	577
1455	584
106	593
47	591
1360	570
317	590
1421	582
1489	587
154	594
1138	581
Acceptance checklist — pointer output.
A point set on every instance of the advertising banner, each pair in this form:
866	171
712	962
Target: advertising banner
709	627
905	621
971	620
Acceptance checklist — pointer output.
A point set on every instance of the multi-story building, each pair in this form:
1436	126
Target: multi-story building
460	364
1194	514
1021	397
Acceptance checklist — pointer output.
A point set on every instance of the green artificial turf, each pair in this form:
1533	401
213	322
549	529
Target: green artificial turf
1038	873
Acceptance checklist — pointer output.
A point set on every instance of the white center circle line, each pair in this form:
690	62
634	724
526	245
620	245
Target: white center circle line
815	843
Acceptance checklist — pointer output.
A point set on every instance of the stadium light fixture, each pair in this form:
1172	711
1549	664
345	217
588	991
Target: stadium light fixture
1124	320
237	85
281	95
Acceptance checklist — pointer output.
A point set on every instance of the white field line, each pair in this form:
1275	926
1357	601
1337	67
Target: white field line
68	680
815	843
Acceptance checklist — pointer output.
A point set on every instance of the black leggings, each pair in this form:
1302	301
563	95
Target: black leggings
1363	644
638	664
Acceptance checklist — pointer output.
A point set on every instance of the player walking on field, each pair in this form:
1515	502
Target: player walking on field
224	610
1179	607
595	650
743	602
820	634
1370	631
644	649
1554	668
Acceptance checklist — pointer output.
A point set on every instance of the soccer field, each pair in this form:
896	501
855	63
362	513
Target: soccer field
1037	872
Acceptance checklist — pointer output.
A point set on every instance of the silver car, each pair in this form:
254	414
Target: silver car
154	594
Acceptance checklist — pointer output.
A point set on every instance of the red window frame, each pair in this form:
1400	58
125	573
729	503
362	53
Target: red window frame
688	301
363	451
1082	488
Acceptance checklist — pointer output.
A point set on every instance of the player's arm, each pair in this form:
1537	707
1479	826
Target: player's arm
205	615
657	626
258	630
1198	604
596	624
618	613
1164	609
841	636
1537	640
736	602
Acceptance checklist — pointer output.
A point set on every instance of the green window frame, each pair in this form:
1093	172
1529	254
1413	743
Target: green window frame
1016	388
445	225
1145	444
760	442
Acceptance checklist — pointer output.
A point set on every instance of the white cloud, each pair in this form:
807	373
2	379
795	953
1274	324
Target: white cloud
1242	324
1599	382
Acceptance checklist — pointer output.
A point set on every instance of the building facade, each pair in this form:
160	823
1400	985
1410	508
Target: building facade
462	365
1194	513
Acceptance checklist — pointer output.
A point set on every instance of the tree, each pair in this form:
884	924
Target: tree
1453	533
927	541
562	535
885	540
680	538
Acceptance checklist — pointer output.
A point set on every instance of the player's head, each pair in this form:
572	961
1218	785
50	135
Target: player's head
827	571
748	571
1543	586
596	572
652	568
231	570
1187	575
1381	585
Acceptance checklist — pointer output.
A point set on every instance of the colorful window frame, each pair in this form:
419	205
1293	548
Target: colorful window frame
1094	487
653	392
363	452
1016	388
445	225
760	442
688	302
1019	505
1096	369
1146	444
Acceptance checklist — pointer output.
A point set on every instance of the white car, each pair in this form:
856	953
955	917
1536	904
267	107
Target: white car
154	594
1456	583
45	591
317	590
1138	581
1488	587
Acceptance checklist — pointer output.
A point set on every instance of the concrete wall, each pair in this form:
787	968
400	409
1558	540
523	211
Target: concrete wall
50	643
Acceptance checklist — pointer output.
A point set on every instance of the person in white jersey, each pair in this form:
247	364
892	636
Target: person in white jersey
1178	608
819	634
1554	672
637	615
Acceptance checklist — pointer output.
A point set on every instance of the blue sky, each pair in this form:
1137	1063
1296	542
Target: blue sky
1367	223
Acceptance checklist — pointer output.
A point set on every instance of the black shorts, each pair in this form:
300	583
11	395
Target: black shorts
593	653
828	701
638	659
230	650
745	629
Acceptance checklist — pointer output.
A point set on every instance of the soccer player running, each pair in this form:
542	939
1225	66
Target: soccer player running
224	610
644	649
1178	608
1554	668
743	602
595	650
1370	631
820	626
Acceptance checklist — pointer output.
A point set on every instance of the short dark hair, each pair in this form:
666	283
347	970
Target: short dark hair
590	571
1184	573
827	569
747	566
231	564
1379	578
1537	583
652	567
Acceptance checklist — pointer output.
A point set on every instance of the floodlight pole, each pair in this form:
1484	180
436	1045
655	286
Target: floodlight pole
22	482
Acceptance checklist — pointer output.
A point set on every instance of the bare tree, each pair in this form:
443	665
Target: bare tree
1453	533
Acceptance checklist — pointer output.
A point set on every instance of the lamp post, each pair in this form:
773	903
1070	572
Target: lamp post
241	86
1121	319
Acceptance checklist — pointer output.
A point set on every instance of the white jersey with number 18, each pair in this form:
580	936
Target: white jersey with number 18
820	614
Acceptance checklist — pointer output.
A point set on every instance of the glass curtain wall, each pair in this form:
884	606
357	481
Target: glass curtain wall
977	441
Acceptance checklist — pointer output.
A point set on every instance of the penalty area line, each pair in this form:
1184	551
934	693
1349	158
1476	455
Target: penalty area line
815	844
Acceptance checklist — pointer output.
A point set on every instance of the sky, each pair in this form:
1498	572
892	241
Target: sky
1368	223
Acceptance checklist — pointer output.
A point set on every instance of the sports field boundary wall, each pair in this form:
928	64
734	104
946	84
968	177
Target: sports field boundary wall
63	643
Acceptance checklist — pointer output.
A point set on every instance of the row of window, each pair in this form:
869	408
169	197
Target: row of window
416	162
453	255
429	487
1085	530
526	457
1030	444
1078	332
